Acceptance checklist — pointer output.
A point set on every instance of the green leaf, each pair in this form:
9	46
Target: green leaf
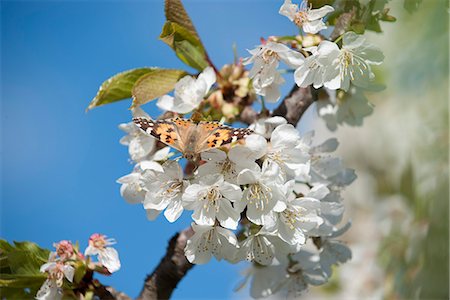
155	84
22	281
118	87
187	46
176	13
80	271
20	264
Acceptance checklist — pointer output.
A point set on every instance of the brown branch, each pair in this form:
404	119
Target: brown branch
171	269
295	104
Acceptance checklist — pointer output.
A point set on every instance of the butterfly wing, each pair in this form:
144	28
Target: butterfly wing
172	132
214	135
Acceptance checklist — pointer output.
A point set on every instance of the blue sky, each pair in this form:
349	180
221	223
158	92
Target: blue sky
59	164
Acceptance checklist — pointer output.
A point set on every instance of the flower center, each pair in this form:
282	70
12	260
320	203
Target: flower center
348	60
292	215
211	198
227	167
259	195
269	56
57	274
300	18
172	189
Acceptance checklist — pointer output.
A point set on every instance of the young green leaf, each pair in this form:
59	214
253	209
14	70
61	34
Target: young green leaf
118	87
20	264
187	46
155	84
176	13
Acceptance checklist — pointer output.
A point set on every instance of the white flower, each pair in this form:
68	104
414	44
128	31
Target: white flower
265	126
209	241
49	291
299	217
286	149
264	280
227	164
189	92
56	271
351	109
263	193
317	68
132	188
265	59
333	253
269	90
107	256
353	63
310	20
210	199
262	247
164	191
139	144
306	270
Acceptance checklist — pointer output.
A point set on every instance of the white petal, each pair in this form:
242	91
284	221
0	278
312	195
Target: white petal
292	58
313	26
285	136
173	211
90	250
247	176
165	103
228	217
288	9
315	14
209	77
230	191
257	144
215	155
192	195
110	259
47	266
68	271
172	170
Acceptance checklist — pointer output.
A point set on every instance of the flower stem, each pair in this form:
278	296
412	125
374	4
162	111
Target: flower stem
339	38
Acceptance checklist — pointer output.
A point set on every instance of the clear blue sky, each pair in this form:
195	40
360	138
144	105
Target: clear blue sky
60	164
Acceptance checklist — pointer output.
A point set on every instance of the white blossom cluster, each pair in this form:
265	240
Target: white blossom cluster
260	201
61	264
327	65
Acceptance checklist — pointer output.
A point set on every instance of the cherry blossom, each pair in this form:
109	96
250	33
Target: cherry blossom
263	193
354	61
211	198
56	272
227	164
317	70
209	241
189	92
265	59
107	256
164	189
310	20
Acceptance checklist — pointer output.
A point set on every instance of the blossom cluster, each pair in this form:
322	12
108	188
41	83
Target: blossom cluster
259	201
63	262
273	199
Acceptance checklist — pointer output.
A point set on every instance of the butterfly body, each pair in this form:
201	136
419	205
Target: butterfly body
191	138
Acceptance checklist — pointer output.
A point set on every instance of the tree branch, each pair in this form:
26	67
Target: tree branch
295	104
171	269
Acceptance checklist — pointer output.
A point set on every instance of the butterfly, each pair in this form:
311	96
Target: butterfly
191	138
